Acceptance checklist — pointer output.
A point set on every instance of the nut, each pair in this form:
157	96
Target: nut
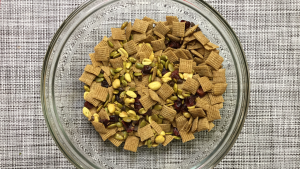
116	91
149	143
173	98
131	113
86	112
191	107
167	75
157	107
124	83
128	100
155	145
99	79
116	84
124	25
112	71
132	60
139	65
131	94
112	126
187	115
186	95
151	57
137	74
123	53
154	85
171	67
167	64
113	53
175	88
146	61
164	57
119	69
85	94
110	44
128	65
119	137
127	77
162	133
150	79
177	138
166	79
111	108
180	96
127	119
142	111
143	123
123	114
160	139
187	75
86	88
125	134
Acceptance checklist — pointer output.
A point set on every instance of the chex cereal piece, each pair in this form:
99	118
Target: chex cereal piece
90	99
149	38
102	53
154	73
189	38
165	121
147	102
165	91
137	37
187	126
186	66
103	115
109	133
141	56
180	122
130	47
211	126
154	95
210	46
158	53
201	103
94	62
140	26
186	136
180	54
168	113
159	35
205	83
213	114
116	63
201	38
214	60
131	143
215	99
190	30
145	132
161	28
100	93
141	143
118	34
197	112
106	70
171	56
107	78
115	142
171	19
178	29
116	44
165	127
203	70
146	49
168	139
219	88
191	85
156	127
128	30
155	112
110	92
195	125
87	78
99	127
158	45
196	45
173	38
197	54
187	53
203	124
219	76
102	43
149	32
218	106
145	80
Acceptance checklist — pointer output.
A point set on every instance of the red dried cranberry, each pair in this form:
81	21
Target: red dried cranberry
147	69
175	74
200	92
105	122
190	101
176	132
192	24
140	78
187	24
198	29
177	105
102	72
164	71
149	112
128	126
182	21
179	81
105	84
171	83
174	44
137	106
88	105
113	118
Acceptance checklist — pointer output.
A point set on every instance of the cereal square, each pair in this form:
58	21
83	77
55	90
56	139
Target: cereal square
110	132
180	122
186	136
99	127
213	114
165	91
205	83
197	112
195	124
118	34
115	142
171	56
116	44
102	53
215	99
211	126
87	78
168	113
100	93
203	70
116	63
203	124
178	29
171	19
156	127
137	37
201	37
140	26
210	46
219	76
186	66
214	60
130	47
180	54
166	127
128	30
161	28
219	88
168	139
147	102
158	45
94	62
145	132
131	143
191	85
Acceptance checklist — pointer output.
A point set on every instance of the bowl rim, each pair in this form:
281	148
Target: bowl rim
235	134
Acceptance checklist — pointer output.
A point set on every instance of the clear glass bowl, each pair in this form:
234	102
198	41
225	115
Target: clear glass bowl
62	92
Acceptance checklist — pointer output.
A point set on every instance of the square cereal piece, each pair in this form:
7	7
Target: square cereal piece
171	56
205	83
161	28
140	26
146	49
100	93
99	127
194	45
154	95
102	53
178	29
115	142
159	35
203	124
118	34
141	56
203	70
213	114
158	45
219	76
197	54
187	53
116	44
197	112
145	132
195	125
110	92
147	102
145	80
171	19
94	62
116	63
219	88
186	136
201	103
155	112
149	38
166	127
106	77
165	91
186	66
149	32
168	139
187	126
103	115
218	106
130	47
210	46
128	30
131	143
156	127
87	78
180	54
109	133
201	37
91	100
211	126
180	122
141	143
215	99
214	60
191	85
154	73
138	37
173	38
158	53
168	113
166	121
106	70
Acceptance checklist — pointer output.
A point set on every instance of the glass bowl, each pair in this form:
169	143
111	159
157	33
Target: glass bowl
62	92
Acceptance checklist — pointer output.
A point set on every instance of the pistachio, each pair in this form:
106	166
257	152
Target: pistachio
86	88
123	52
124	25
179	91
123	94
150	78
167	64
112	71
187	75
113	53
99	108
116	84
128	101
116	91
86	112
187	115
124	83
158	59
166	79
160	139
180	96
131	37
139	65
110	44
159	121
99	79
138	74
169	133
162	62
191	107
132	89
116	76
131	75
173	98
177	138
125	134
116	55
150	120
154	85
164	57
131	94
151	57
162	133
111	108
143	123
155	145
131	113
152	64
142	111
127	77
106	110
123	114
171	67
149	143
154	117
85	94
96	117
119	137
119	105
160	116
121	43
160	66
132	60
122	78
175	80
158	73
180	75
128	65
112	126
167	75
119	69
134	118
117	112
175	88
101	75
127	119
146	61
157	107
170	104
113	98
186	95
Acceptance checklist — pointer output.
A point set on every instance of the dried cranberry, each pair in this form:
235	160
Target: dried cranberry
198	29
182	21
179	81
114	118
176	62
147	69
171	83
190	101
105	122
121	89
175	74
176	132
184	107
149	112
187	24
200	92
174	44
128	126
137	106
140	78
177	105
105	84
102	72
192	24
164	71
92	118
88	105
